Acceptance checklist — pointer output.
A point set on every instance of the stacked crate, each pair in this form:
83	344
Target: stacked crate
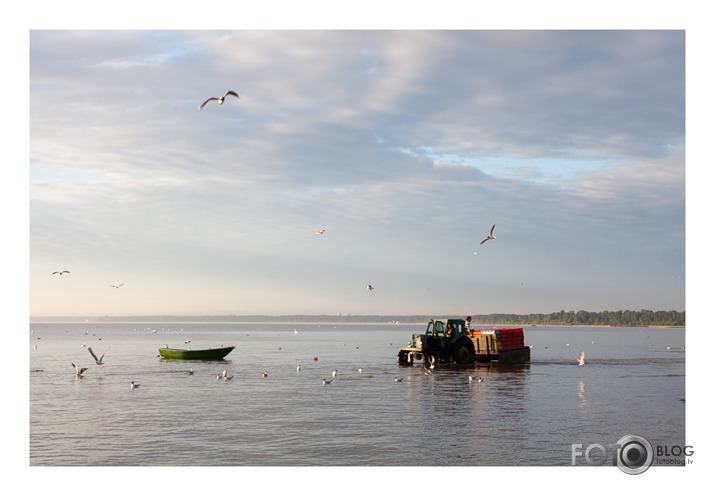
506	338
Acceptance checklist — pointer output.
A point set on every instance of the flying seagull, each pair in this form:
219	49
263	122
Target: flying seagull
61	272
220	99
491	235
117	286
581	359
322	231
78	371
370	287
98	361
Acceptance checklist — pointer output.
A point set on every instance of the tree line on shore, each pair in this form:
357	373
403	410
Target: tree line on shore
621	318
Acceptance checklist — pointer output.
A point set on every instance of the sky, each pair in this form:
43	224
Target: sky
405	146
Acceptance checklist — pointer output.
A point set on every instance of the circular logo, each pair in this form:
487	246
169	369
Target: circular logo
635	454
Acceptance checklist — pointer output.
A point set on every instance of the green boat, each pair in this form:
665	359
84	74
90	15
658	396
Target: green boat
207	354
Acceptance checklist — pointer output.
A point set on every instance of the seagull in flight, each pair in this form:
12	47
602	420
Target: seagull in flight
219	99
78	371
59	273
581	359
322	231
370	287
117	286
98	361
490	236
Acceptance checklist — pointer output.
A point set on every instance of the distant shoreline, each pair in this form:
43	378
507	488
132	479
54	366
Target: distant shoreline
495	320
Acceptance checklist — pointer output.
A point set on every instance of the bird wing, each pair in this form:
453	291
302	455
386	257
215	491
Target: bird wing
483	241
229	92
582	356
105	352
92	353
207	101
75	367
491	232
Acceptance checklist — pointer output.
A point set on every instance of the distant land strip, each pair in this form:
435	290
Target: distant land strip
620	318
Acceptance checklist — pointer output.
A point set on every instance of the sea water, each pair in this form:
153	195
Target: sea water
633	383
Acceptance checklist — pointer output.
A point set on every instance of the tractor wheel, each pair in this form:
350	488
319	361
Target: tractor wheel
463	352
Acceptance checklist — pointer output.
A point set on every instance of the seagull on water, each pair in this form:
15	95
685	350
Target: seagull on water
398	379
297	369
370	287
190	372
360	370
335	373
325	381
79	371
98	361
227	378
581	359
59	273
265	374
219	99
490	236
134	386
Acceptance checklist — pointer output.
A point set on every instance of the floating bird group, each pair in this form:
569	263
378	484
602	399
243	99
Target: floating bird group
219	99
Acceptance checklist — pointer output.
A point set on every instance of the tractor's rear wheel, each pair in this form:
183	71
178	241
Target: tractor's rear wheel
463	352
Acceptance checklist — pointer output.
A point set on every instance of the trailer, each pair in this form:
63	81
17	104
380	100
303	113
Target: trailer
452	341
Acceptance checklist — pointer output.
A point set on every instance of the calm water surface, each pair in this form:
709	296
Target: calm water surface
519	416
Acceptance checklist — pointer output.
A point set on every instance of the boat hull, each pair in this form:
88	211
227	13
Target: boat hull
207	354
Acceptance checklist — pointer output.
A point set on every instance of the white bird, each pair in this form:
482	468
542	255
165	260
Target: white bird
490	236
370	287
360	370
218	376
325	381
98	361
134	386
428	372
61	272
117	286
398	379
322	231
297	369
78	371
335	373
227	378
265	374
190	372
219	99
581	359
223	374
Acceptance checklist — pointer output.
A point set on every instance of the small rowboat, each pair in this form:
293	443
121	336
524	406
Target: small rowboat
207	354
